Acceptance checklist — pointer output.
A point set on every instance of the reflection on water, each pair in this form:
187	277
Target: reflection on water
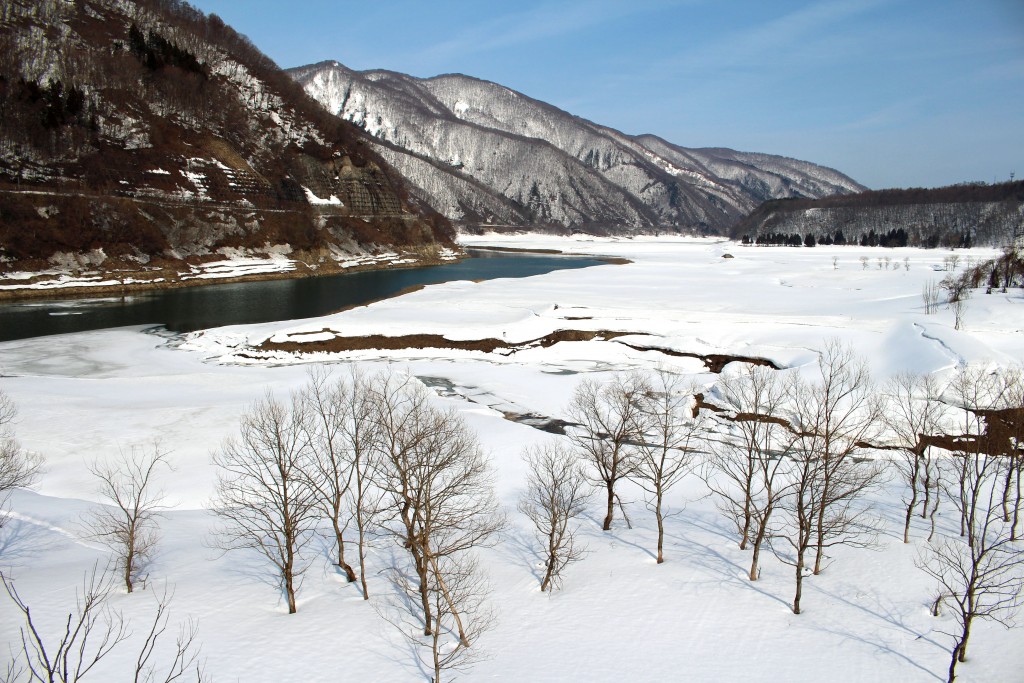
195	308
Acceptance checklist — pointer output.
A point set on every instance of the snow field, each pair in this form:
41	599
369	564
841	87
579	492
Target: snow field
619	616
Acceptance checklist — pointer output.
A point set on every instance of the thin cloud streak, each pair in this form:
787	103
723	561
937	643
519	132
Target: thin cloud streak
547	22
774	39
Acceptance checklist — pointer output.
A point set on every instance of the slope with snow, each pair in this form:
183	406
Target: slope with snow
482	153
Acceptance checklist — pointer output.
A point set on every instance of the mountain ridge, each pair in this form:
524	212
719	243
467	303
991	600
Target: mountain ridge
556	170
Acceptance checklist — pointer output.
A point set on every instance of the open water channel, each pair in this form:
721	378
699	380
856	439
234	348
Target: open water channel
193	308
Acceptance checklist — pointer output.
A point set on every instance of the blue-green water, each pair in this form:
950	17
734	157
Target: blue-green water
194	308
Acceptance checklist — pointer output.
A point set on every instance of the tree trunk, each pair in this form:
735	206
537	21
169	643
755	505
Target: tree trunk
350	575
437	654
910	514
610	484
1006	489
452	607
962	645
289	589
361	528
819	551
546	583
927	494
745	532
421	573
913	500
129	562
799	580
762	530
552	558
931	517
959	651
362	557
661	528
1016	510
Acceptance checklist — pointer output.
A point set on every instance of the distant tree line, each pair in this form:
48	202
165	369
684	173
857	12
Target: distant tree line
897	237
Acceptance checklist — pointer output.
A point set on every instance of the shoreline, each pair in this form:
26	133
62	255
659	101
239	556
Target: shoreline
300	270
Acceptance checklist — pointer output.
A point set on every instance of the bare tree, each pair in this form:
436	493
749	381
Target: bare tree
438	486
17	467
610	421
842	413
959	308
92	631
361	433
745	463
667	448
930	295
128	524
834	417
330	468
555	496
982	573
262	495
799	510
341	431
460	615
915	411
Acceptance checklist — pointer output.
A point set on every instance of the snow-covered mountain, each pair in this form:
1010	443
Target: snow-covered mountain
484	154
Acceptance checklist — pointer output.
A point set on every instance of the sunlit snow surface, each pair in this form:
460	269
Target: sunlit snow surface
83	397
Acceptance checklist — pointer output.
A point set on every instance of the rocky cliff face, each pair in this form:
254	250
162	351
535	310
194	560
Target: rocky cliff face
483	154
143	129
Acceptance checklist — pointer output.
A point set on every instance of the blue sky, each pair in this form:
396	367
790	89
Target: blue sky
894	93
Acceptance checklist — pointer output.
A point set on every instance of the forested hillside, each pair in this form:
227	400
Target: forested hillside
955	216
143	130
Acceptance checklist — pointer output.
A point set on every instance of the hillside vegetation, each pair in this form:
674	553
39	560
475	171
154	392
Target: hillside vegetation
143	130
955	216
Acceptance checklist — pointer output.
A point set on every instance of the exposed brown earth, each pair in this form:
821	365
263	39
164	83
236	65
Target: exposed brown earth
378	342
1004	431
716	362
